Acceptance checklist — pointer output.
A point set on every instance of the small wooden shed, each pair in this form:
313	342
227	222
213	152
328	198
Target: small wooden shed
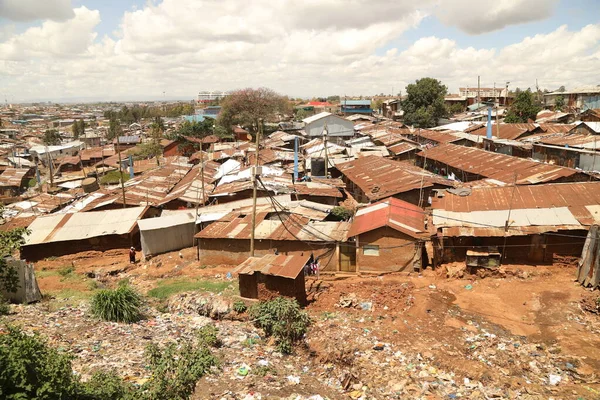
262	277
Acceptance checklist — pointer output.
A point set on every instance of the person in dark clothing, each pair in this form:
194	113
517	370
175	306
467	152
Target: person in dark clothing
132	255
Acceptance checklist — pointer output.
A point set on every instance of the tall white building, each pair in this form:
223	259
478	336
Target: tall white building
207	97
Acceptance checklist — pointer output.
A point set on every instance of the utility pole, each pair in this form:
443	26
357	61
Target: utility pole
121	173
198	201
506	93
478	90
325	133
255	175
50	167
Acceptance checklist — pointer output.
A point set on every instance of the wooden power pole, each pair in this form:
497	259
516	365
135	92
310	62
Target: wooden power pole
121	173
255	175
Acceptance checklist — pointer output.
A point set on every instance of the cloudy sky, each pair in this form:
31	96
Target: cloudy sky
152	49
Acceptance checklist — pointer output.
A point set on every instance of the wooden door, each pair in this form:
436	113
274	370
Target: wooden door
347	257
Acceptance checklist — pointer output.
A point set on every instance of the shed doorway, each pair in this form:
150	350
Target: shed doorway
347	257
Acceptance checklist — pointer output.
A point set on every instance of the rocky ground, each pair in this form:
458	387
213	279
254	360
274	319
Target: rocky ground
524	333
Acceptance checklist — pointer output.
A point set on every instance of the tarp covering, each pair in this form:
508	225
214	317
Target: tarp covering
173	232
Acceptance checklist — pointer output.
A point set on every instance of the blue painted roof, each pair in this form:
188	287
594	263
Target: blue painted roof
195	118
357	110
356	102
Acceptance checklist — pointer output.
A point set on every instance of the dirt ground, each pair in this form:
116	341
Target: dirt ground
521	333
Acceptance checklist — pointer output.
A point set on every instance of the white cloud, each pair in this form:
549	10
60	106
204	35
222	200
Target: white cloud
31	10
54	39
480	16
185	46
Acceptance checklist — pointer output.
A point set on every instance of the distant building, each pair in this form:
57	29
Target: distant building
478	95
579	99
207	97
350	107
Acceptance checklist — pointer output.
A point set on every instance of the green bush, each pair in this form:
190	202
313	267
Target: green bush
4	308
66	270
283	319
207	336
32	182
175	370
33	370
239	307
341	213
112	178
107	385
122	304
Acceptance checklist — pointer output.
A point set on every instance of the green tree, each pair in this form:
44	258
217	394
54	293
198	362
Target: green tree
456	108
51	137
523	108
424	103
333	99
246	107
301	114
559	103
75	129
81	127
114	127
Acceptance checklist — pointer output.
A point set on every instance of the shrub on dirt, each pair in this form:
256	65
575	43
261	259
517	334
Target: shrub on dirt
207	336
106	385
33	370
175	370
119	305
4	308
283	319
239	307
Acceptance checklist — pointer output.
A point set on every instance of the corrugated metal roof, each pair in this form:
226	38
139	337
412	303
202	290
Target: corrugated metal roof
402	148
394	213
80	226
532	206
316	117
238	226
150	224
508	131
286	266
13	177
380	177
497	166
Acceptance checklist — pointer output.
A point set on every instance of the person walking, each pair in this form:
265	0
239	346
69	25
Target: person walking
132	255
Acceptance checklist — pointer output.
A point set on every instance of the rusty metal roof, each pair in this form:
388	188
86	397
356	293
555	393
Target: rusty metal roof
394	213
401	148
509	131
82	226
13	177
236	225
548	207
380	177
286	266
436	136
498	166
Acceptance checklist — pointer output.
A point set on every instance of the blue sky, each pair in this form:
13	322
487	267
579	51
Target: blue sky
295	47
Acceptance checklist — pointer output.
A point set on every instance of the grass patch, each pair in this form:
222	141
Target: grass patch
122	304
167	288
113	178
66	270
45	273
72	294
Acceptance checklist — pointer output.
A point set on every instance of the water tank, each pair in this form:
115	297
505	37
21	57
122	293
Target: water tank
90	185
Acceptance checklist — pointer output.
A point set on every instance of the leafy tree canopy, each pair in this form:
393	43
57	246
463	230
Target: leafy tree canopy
523	108
247	106
424	103
51	137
